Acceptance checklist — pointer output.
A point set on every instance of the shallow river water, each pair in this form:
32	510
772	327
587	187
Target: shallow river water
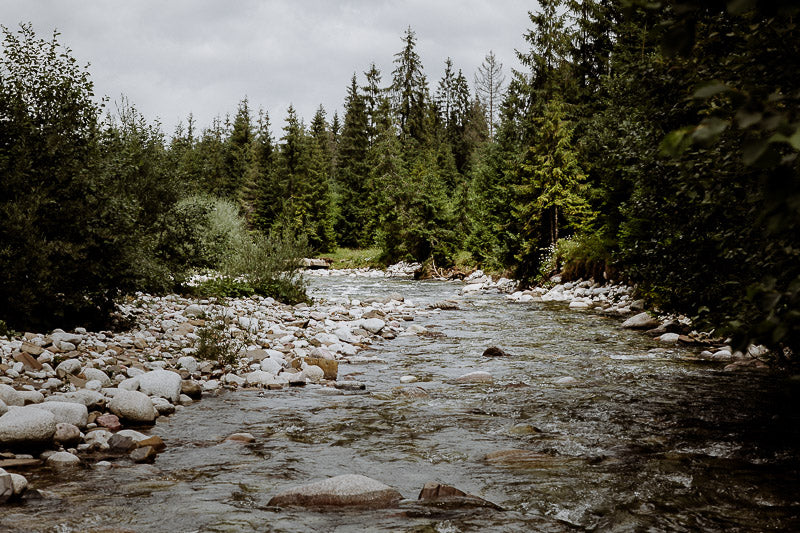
641	441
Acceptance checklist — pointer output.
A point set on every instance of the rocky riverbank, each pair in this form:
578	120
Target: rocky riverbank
68	399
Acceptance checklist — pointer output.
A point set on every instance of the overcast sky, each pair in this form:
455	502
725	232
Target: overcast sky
175	57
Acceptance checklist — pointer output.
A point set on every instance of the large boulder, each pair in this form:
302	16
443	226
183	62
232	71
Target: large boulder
641	321
373	325
24	426
349	490
133	406
89	398
68	412
162	383
97	374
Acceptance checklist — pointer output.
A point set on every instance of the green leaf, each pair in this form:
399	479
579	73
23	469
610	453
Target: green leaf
709	130
710	89
748	118
739	7
675	142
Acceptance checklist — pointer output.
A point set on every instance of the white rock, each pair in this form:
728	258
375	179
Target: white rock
11	396
133	406
93	385
69	412
69	366
161	383
129	384
133	434
373	325
408	379
188	363
313	373
579	304
475	377
193	310
566	380
271	365
89	398
97	374
3	408
62	460
210	385
26	425
260	377
163	407
31	396
641	321
472	288
671	338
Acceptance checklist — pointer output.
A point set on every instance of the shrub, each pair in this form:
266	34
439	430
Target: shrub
215	342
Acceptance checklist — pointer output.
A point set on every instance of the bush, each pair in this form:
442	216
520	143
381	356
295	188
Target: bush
216	343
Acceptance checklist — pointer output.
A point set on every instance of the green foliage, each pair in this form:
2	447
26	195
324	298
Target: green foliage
215	342
355	257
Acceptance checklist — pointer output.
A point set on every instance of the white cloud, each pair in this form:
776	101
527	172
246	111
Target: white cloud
203	56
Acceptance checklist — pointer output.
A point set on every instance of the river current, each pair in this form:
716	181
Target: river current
645	438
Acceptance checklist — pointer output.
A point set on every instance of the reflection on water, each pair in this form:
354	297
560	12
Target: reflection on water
640	441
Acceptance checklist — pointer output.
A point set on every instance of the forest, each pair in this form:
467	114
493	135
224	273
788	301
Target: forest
653	143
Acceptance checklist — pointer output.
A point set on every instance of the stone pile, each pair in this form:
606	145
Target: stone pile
609	298
66	397
478	282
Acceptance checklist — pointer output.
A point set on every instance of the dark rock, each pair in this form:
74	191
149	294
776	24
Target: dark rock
143	455
448	496
494	351
192	389
120	444
349	490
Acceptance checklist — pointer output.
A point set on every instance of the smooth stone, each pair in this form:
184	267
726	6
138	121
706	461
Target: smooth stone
67	434
579	304
475	377
68	366
671	338
133	406
523	429
154	441
31	397
192	389
146	454
161	383
96	374
135	435
188	363
88	398
27	425
451	497
109	421
11	396
641	321
163	407
241	437
313	373
408	379
62	460
566	380
373	325
120	444
76	414
349	490
3	408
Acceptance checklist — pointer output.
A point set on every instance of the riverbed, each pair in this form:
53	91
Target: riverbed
641	438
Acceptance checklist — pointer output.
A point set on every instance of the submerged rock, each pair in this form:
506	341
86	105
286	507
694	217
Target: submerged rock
494	351
448	496
349	490
475	377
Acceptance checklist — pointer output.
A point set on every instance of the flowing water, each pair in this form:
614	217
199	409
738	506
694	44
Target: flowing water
642	440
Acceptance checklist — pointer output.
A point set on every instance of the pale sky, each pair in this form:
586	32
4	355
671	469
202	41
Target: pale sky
175	57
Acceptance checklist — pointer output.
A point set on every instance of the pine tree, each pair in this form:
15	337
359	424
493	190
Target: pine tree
489	82
265	210
352	175
410	94
318	201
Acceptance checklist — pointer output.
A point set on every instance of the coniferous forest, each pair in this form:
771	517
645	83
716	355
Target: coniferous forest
650	142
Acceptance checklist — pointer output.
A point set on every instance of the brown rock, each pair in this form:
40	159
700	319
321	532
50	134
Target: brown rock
77	381
329	366
154	442
349	490
526	459
31	349
192	389
448	496
19	463
143	455
242	437
28	361
494	351
109	421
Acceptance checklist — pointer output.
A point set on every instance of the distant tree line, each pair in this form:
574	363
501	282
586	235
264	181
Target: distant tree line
651	141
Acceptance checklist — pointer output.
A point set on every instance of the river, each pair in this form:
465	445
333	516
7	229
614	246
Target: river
643	439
